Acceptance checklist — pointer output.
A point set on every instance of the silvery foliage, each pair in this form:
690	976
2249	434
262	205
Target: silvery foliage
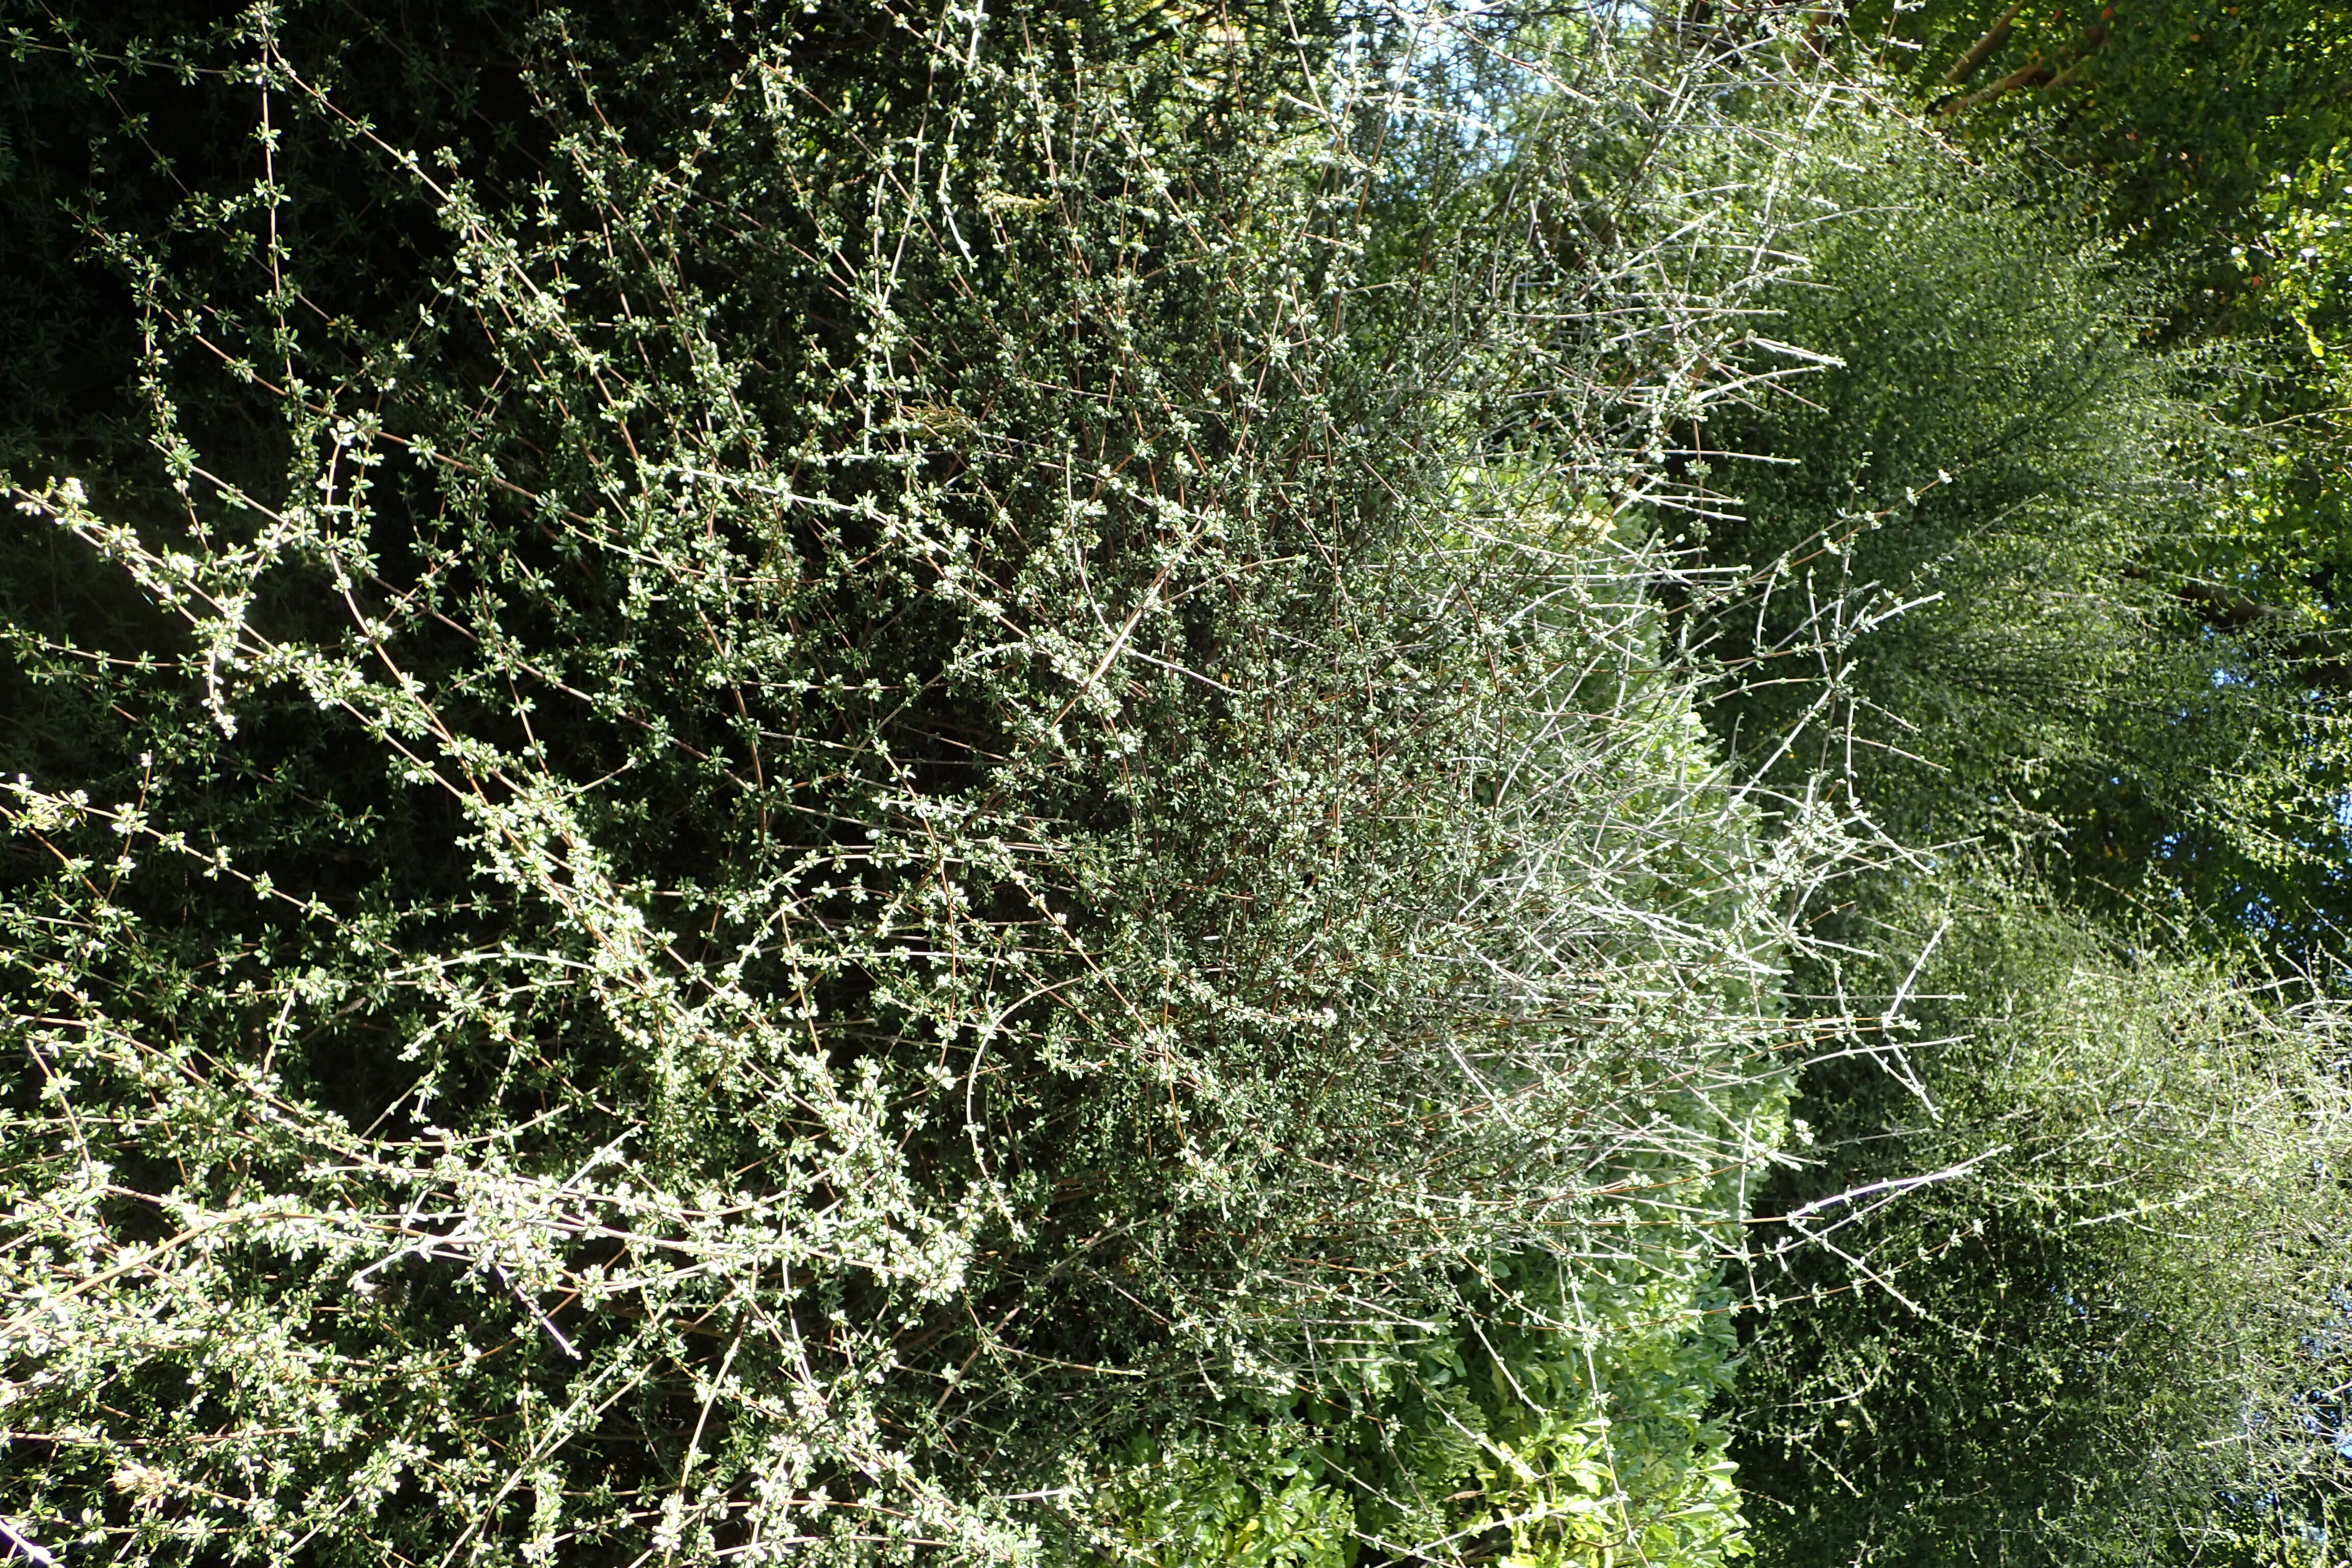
1069	795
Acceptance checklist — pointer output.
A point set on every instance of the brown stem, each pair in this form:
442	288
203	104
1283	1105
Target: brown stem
2225	608
2316	658
2032	75
2041	73
1985	48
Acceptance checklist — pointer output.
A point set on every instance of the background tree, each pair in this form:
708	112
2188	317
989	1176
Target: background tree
2110	795
2188	108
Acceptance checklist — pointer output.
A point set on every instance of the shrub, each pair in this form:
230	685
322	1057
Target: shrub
830	809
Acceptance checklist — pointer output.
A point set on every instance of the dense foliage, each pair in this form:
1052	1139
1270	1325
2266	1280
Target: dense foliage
866	783
811	806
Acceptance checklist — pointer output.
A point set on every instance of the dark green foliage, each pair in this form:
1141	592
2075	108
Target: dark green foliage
2186	108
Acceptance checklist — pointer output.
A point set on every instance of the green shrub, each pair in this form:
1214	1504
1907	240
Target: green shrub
816	793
